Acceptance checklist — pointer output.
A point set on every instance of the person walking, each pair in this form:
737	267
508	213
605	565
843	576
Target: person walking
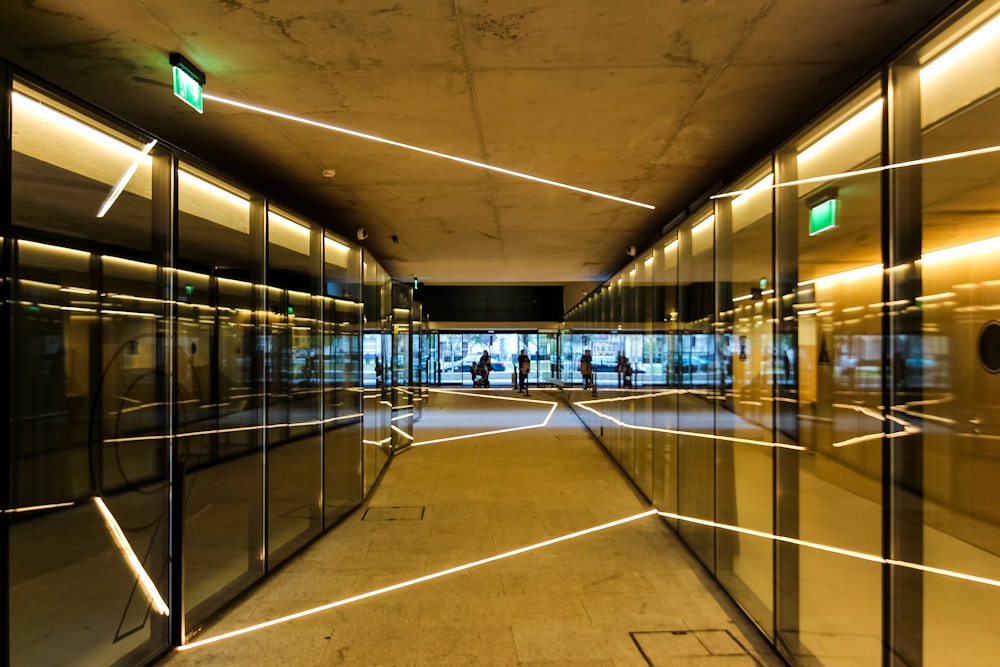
523	369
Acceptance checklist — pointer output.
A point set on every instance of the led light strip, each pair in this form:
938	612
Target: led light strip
835	550
426	151
123	181
36	508
694	434
544	422
872	170
418	580
147	585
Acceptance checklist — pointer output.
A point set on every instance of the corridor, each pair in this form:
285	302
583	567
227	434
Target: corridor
493	481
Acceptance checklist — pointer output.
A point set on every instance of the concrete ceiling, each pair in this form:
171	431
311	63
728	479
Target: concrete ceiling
651	100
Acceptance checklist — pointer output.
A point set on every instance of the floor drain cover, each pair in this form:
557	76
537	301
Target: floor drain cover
395	513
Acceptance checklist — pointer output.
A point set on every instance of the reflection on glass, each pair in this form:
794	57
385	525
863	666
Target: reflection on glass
951	357
83	352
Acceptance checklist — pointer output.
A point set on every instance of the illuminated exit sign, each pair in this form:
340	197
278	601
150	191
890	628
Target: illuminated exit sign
188	81
823	212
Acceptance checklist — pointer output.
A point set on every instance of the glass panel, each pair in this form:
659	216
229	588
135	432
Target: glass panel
956	362
836	307
666	371
221	360
745	372
87	454
696	452
295	366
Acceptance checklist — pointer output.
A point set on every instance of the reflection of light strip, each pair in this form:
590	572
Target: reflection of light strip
235	429
908	428
708	436
401	432
133	561
426	151
418	580
831	549
35	508
123	181
873	170
406	415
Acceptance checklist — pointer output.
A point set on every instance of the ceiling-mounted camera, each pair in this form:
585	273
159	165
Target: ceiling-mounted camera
362	233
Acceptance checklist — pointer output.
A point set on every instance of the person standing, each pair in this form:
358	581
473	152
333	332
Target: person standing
587	371
523	369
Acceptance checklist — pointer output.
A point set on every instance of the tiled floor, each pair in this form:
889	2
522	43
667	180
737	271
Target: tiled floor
627	594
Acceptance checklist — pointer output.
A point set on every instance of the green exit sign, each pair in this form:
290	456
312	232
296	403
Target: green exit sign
822	216
188	81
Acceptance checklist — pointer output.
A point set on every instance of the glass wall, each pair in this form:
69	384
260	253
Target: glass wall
87	453
185	382
822	348
946	374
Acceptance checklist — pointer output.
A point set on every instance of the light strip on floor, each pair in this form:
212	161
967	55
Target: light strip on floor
426	151
418	580
835	550
497	431
145	583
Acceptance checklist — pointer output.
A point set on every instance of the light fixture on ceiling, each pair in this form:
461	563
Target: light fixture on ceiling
329	173
425	151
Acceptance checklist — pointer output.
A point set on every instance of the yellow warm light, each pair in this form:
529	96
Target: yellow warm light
36	508
77	130
845	276
670	247
859	121
418	580
145	582
972	48
425	151
704	224
288	233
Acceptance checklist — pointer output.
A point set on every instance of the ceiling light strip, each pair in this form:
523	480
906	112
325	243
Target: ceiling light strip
872	170
426	151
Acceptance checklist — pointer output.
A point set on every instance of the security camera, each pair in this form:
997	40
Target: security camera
631	251
362	233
